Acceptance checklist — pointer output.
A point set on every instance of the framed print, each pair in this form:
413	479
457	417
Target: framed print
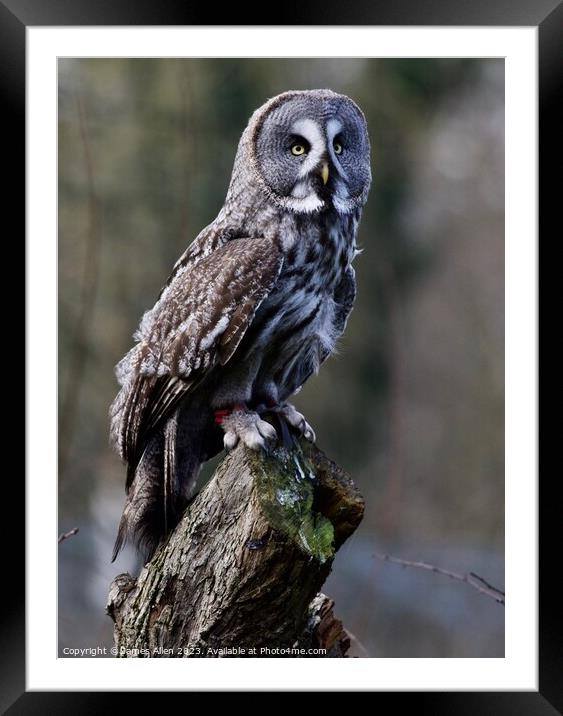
404	145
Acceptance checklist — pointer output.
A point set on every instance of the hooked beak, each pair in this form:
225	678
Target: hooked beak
324	172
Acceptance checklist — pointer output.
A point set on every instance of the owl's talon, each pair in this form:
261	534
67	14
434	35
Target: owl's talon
248	428
309	434
266	430
230	440
297	421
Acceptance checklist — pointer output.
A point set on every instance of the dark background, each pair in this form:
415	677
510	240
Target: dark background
413	405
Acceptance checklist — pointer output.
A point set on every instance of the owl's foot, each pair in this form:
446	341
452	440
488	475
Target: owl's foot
296	420
245	426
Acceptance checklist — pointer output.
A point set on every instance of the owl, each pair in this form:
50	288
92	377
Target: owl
250	311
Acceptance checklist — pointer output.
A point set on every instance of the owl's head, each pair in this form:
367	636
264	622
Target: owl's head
309	150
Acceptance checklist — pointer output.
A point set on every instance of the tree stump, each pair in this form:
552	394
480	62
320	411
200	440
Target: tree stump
241	573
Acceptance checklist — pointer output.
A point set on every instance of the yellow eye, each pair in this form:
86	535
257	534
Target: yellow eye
297	150
337	148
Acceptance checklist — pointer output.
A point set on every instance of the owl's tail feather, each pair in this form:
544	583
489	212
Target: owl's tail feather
143	519
164	479
154	503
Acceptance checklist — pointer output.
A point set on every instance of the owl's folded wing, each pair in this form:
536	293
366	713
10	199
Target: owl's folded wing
197	323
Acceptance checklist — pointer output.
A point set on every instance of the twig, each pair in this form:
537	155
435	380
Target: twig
358	643
474	580
66	535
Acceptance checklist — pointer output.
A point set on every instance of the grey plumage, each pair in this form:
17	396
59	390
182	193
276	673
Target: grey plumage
251	309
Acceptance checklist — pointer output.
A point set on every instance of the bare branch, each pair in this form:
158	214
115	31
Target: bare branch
474	580
66	535
358	643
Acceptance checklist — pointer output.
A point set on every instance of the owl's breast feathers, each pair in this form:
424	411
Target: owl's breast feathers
299	322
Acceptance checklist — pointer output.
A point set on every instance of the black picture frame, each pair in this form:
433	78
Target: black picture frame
15	16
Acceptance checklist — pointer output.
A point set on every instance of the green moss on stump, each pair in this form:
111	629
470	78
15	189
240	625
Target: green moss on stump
285	481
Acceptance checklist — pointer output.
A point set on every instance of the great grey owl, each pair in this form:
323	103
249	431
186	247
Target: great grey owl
249	312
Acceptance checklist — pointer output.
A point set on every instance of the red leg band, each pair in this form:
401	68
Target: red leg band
220	415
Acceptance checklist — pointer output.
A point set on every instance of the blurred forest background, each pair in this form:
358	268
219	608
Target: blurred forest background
413	405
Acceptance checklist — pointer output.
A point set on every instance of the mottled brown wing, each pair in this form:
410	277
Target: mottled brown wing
197	323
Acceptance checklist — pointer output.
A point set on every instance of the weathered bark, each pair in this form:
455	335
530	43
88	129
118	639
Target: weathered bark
243	569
